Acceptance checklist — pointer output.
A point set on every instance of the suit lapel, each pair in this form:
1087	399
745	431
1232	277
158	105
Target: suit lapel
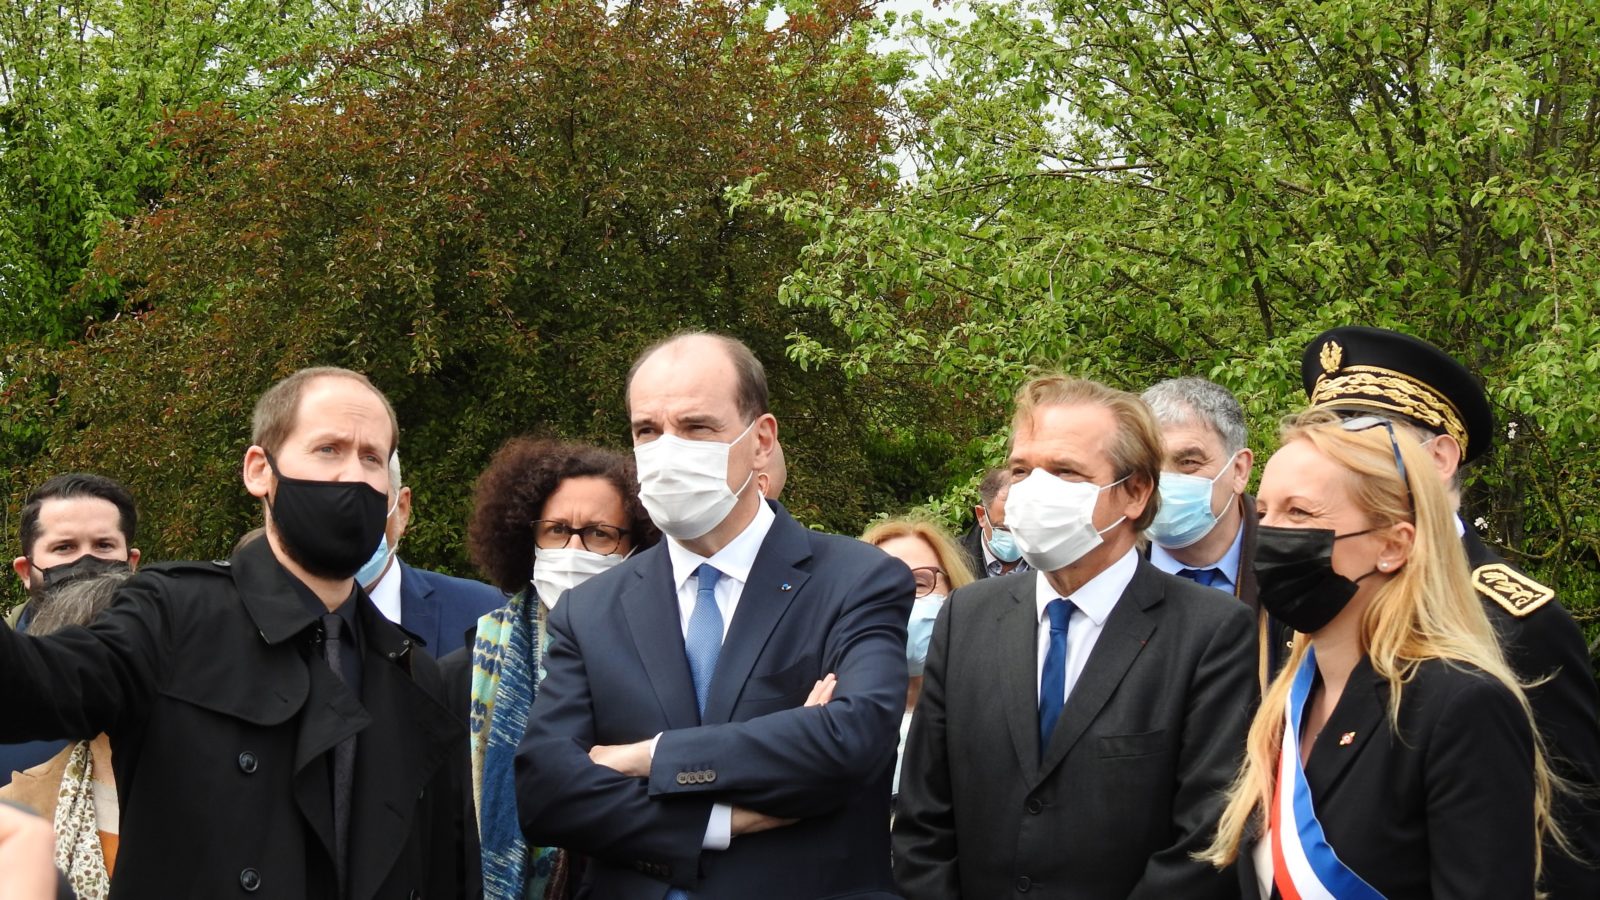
418	613
409	739
1246	588
1353	723
1019	672
775	582
650	607
1120	642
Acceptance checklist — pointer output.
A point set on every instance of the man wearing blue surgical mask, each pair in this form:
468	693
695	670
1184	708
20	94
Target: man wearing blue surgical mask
990	544
436	607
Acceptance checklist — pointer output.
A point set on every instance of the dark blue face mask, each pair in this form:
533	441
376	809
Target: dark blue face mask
1294	569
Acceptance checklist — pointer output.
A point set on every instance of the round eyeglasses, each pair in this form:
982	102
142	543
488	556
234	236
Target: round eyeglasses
927	578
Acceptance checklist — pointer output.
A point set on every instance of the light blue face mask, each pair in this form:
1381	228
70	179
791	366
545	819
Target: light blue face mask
373	567
919	631
1003	545
1185	515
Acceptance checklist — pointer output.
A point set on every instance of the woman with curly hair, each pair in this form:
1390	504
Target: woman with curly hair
547	516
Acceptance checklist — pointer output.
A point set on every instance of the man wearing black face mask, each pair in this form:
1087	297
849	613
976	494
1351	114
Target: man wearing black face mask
1356	371
73	525
271	731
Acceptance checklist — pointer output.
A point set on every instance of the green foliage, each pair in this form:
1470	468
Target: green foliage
1132	190
489	211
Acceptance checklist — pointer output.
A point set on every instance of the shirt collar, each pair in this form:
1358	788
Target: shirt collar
1099	595
346	610
733	561
386	593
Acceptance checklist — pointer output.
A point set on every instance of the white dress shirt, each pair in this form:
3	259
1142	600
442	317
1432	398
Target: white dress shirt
386	593
734	562
1092	604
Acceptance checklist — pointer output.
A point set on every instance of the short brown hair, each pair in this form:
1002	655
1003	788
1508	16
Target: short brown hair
1136	448
278	408
751	389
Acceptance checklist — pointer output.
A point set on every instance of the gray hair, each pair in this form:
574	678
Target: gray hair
1190	400
394	473
76	603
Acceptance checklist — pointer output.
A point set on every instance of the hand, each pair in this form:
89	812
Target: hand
823	691
630	759
27	855
748	821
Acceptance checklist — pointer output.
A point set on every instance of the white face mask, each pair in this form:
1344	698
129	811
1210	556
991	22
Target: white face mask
684	484
563	569
1053	520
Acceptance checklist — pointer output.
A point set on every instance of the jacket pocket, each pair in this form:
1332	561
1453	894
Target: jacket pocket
795	679
1142	744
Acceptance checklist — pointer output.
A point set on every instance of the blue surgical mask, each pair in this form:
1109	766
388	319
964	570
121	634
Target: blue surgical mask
373	567
1185	515
919	631
1003	545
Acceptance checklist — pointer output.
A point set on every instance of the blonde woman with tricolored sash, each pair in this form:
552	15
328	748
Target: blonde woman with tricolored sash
1394	756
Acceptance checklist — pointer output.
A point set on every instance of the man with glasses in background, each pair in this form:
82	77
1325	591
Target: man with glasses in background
1372	372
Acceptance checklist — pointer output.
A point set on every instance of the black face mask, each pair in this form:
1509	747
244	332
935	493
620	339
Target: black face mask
85	566
1294	569
329	527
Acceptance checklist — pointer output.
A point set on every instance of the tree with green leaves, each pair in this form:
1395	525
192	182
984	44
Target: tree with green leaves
1136	189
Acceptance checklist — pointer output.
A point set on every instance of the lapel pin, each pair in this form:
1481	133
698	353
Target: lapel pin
786	586
1346	739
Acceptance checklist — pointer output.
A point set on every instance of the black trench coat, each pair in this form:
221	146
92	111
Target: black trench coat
221	717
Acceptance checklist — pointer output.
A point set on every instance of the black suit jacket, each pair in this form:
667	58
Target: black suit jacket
1545	641
1441	808
616	673
441	608
1129	785
221	716
972	542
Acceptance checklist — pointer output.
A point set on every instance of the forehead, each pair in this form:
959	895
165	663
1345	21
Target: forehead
911	550
1299	469
690	377
1082	431
78	515
334	405
587	498
1178	437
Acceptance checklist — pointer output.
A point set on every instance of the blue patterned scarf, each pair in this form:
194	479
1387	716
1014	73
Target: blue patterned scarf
507	665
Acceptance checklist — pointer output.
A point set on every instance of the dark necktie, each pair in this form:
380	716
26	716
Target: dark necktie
1053	683
344	755
1209	577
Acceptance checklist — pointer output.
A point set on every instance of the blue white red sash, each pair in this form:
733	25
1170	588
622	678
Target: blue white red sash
1304	866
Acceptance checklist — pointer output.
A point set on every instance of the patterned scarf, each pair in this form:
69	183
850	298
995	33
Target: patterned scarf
79	851
507	666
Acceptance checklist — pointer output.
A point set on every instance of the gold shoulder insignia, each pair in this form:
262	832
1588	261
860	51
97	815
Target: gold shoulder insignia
1515	592
1332	356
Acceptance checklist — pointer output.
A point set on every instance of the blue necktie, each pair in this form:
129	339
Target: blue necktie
704	640
1053	686
702	645
1208	577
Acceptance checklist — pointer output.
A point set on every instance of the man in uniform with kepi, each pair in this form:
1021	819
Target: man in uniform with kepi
1364	371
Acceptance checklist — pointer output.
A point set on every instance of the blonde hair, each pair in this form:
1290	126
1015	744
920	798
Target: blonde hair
1428	610
1135	447
952	559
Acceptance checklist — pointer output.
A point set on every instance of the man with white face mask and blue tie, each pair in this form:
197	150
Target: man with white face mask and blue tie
674	740
1076	726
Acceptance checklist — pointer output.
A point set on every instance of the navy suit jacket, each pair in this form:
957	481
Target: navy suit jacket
616	673
440	608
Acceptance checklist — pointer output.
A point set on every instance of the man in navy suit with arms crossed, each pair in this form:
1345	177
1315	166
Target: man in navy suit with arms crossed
670	740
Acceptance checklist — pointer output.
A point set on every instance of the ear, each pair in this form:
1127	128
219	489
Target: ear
1446	453
766	439
763	481
257	474
133	558
1139	491
981	515
23	567
402	512
1396	549
1242	464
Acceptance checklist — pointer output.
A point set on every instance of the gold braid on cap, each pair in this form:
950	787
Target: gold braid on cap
1385	390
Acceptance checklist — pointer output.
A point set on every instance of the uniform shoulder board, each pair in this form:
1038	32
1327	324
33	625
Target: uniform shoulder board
1518	594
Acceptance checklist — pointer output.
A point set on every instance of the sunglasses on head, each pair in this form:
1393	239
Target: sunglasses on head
1362	423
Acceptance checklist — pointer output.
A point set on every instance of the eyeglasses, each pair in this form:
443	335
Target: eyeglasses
601	539
927	578
1362	423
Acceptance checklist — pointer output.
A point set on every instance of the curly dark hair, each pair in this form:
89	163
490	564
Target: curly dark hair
511	492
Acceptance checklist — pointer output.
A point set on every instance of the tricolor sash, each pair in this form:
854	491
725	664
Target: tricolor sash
1304	865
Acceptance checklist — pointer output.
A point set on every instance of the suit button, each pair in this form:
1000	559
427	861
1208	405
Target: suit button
250	880
247	763
1035	807
1024	884
711	775
683	778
